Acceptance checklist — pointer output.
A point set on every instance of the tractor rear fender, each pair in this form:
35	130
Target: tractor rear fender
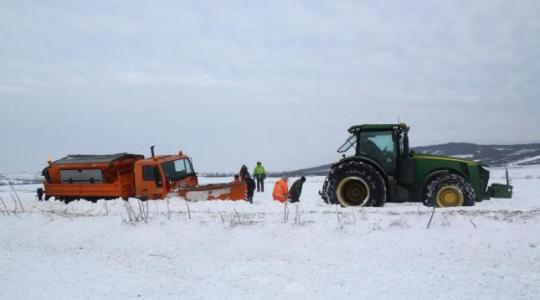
368	161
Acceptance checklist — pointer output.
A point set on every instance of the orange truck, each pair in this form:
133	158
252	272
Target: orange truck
124	175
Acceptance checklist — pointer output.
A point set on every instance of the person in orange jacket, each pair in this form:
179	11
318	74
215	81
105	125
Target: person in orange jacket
281	190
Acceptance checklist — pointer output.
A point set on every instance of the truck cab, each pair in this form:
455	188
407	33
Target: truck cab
157	176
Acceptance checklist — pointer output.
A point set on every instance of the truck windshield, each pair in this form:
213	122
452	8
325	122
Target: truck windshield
178	169
351	141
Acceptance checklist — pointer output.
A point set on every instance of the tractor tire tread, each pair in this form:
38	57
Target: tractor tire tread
469	195
355	168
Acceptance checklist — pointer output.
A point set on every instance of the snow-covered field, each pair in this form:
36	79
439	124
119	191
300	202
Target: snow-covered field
234	250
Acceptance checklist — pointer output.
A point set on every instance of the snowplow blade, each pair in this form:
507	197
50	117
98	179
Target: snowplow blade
220	191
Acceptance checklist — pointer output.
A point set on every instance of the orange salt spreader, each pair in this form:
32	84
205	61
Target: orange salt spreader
124	175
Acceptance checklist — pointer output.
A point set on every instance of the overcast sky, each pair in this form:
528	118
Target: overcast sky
233	82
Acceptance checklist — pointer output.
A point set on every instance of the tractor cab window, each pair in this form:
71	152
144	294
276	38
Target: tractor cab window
351	141
178	169
379	146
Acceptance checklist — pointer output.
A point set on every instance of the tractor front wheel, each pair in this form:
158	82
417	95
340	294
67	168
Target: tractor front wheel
449	190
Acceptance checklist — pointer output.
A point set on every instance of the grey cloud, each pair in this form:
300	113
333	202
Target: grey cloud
234	82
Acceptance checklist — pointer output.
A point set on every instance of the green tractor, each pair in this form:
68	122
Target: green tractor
383	169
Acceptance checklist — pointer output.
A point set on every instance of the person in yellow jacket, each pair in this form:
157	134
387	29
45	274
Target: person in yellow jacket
260	174
281	190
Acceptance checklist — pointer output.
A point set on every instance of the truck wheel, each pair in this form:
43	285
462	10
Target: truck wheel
449	190
355	183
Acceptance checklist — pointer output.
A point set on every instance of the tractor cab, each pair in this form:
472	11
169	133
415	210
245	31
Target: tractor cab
155	177
386	144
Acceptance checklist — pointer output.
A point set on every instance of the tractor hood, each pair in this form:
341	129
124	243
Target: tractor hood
432	157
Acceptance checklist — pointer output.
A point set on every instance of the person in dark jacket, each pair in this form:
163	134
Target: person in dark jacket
296	190
250	187
243	172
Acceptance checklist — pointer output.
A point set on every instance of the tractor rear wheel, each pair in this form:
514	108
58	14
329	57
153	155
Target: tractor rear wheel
323	193
449	190
354	183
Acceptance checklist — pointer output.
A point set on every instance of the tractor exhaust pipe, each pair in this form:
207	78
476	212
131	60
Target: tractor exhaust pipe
152	151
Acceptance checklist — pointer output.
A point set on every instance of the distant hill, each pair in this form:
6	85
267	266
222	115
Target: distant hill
20	178
492	155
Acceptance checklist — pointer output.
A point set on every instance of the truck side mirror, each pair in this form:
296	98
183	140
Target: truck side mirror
157	177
